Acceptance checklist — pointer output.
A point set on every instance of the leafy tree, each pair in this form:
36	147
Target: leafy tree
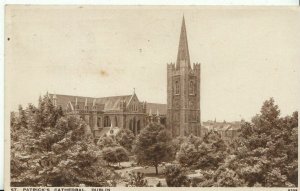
265	154
121	154
175	177
153	146
206	153
212	151
106	141
52	150
187	155
22	117
177	142
115	155
109	155
125	138
137	180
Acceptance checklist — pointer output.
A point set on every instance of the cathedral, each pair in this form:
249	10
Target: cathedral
181	114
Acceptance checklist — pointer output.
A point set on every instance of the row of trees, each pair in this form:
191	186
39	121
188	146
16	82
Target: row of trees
49	149
264	154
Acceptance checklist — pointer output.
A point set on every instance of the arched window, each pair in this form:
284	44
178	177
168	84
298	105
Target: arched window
106	121
116	121
138	126
177	87
130	125
192	88
134	126
99	122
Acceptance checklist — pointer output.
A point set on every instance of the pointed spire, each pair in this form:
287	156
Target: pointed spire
183	56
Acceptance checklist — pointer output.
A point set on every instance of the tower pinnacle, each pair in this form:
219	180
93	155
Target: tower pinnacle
183	57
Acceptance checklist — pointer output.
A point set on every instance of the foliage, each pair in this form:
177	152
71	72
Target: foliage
212	151
125	138
106	141
175	177
137	180
153	145
265	154
177	142
206	153
115	154
49	149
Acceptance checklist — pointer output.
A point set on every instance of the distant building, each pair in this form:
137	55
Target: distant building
227	130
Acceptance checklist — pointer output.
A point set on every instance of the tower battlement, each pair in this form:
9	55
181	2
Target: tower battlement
171	66
196	66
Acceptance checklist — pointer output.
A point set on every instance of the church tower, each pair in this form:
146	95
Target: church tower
183	92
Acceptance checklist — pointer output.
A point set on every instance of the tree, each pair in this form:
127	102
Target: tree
125	138
121	154
177	142
175	177
22	117
115	155
188	153
106	141
109	155
206	153
153	146
265	153
212	152
52	150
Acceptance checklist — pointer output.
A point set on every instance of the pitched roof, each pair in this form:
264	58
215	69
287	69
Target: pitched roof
63	100
104	103
113	103
162	108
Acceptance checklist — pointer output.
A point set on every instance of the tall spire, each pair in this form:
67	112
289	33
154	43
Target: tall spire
183	57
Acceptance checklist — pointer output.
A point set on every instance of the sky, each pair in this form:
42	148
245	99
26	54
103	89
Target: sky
247	55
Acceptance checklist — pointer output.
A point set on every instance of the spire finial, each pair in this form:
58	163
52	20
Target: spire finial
183	57
133	90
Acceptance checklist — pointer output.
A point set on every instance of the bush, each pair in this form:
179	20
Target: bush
137	180
175	177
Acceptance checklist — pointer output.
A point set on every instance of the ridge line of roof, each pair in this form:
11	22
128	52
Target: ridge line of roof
90	97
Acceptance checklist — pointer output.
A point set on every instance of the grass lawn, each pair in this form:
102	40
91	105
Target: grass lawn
150	171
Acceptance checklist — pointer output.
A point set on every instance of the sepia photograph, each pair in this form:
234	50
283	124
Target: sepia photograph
151	96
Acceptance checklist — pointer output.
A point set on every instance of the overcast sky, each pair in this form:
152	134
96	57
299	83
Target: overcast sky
246	55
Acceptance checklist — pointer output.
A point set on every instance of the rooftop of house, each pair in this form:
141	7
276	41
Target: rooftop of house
221	126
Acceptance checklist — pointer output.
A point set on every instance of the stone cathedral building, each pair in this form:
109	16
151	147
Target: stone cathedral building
181	114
